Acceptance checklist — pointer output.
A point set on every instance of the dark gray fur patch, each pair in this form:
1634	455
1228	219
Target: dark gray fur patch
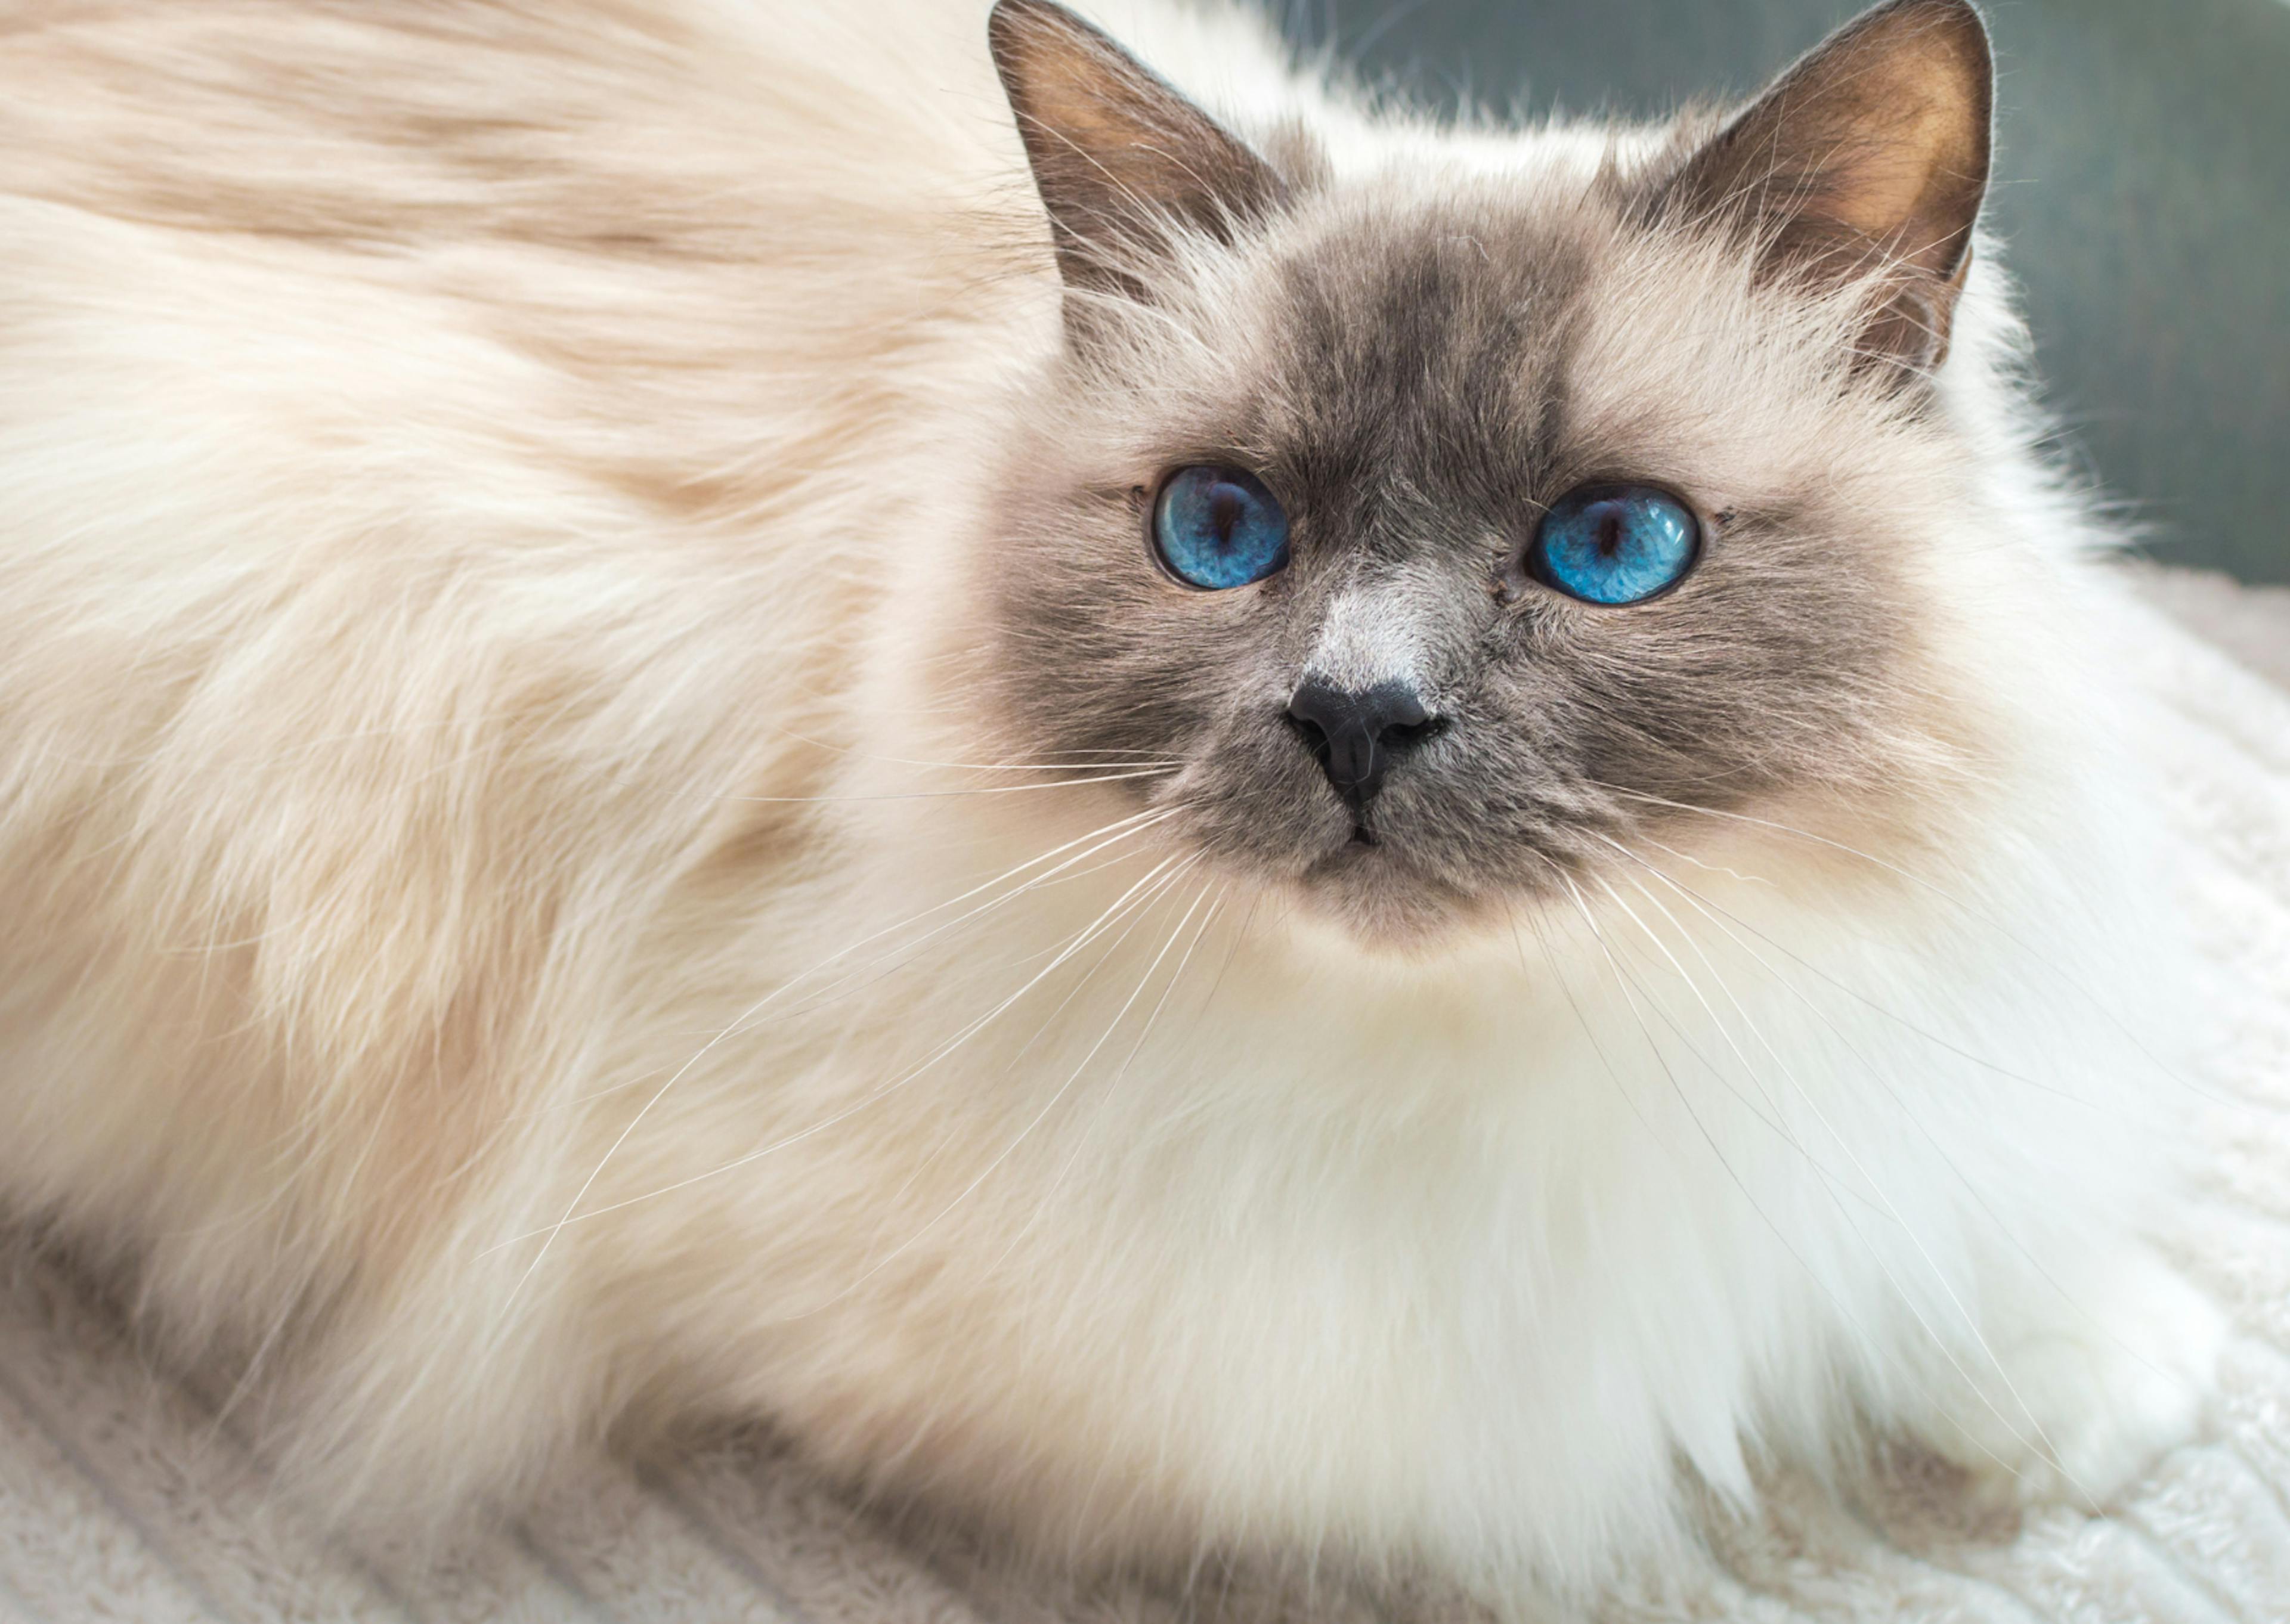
1396	368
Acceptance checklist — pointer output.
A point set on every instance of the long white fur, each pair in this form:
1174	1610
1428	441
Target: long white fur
500	921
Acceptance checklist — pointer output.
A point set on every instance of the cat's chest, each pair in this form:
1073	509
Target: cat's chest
1572	1116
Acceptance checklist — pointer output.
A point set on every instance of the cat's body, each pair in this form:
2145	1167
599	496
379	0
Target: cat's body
496	727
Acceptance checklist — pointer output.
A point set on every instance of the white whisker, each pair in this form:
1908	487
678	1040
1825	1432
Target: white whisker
1811	1274
1968	908
1146	1031
1010	1150
1932	1265
1874	1075
942	795
1097	928
1140	819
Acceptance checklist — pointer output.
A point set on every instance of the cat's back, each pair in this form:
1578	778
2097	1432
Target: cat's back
408	416
690	128
680	175
295	289
706	214
589	123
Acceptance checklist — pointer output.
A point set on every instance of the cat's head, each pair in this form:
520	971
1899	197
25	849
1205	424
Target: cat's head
1453	515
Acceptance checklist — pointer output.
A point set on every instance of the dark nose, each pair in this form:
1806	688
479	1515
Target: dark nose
1357	733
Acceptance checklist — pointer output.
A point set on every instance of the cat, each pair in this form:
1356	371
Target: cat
1188	821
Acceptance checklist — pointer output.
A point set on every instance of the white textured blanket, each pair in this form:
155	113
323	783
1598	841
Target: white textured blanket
124	1496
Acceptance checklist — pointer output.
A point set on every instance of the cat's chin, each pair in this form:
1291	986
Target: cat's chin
1379	903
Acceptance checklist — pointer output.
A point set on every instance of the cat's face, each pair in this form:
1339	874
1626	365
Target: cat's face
1448	530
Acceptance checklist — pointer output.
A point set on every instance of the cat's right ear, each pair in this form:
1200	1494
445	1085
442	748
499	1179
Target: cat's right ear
1867	162
1125	164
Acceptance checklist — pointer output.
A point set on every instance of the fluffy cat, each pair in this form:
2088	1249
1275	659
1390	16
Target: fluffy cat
1268	829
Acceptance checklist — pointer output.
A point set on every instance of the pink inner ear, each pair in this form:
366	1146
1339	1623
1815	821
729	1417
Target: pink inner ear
1870	158
1117	153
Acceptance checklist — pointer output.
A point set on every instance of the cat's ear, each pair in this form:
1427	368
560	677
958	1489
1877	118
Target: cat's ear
1119	156
1867	160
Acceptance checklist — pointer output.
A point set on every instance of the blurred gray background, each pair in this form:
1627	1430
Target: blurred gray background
2143	191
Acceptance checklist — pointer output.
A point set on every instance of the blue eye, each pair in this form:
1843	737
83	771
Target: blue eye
1615	544
1219	528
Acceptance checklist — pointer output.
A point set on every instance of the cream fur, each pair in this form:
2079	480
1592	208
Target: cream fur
490	494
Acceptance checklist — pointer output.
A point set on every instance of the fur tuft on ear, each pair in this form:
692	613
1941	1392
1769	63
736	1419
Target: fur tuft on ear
1866	161
1120	156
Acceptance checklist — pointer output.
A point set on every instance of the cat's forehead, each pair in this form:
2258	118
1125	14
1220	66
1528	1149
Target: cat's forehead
1485	333
1419	325
1428	296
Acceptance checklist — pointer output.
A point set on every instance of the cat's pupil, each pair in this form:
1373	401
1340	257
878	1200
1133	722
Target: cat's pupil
1225	515
1610	532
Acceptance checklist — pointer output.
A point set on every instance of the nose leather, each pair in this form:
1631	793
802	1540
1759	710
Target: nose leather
1357	735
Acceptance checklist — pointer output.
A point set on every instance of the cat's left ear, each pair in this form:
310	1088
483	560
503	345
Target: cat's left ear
1120	157
1869	160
